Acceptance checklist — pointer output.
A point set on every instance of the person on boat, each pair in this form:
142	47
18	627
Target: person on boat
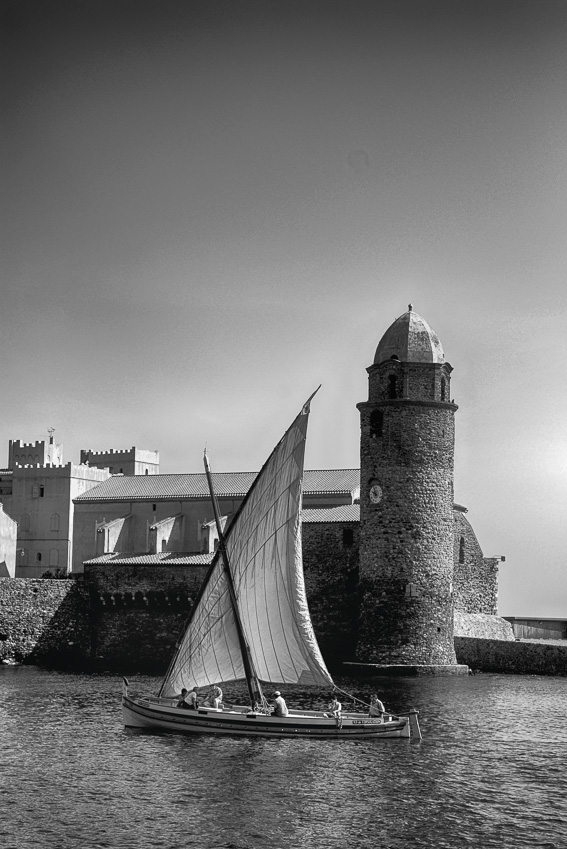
335	707
188	700
214	696
280	707
377	708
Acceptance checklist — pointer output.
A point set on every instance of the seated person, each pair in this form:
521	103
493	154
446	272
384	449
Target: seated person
214	696
188	700
335	707
280	707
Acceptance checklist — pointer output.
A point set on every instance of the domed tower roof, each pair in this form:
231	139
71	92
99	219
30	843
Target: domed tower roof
410	339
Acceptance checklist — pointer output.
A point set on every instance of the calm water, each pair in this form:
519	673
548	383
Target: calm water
491	772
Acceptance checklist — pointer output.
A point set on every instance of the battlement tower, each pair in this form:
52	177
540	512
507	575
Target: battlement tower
406	501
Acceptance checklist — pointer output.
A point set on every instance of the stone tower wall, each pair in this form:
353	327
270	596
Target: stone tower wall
406	543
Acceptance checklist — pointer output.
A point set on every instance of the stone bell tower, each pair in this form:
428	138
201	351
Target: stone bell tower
406	501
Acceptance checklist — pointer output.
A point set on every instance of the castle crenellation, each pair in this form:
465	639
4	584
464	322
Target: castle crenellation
123	451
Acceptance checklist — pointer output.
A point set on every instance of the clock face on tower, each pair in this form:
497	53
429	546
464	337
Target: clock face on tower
375	494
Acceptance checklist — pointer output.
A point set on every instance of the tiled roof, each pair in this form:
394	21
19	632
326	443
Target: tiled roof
343	513
226	484
166	558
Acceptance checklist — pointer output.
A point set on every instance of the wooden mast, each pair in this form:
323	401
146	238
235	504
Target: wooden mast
254	688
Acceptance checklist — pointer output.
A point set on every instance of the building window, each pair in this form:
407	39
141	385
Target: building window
443	388
55	521
462	550
376	423
154	507
38	557
348	537
392	386
146	472
41	491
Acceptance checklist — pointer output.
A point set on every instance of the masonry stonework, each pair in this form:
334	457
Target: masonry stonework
331	565
475	583
137	613
406	501
44	622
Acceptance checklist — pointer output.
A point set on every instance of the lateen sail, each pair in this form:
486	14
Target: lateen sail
263	544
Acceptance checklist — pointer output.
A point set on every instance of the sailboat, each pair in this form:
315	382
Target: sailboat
250	622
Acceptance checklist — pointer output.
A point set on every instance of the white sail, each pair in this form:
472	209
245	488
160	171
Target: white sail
263	544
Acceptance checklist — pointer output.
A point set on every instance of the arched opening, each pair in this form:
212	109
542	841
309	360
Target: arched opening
392	386
376	423
462	550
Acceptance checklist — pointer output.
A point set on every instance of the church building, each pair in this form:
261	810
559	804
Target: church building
390	561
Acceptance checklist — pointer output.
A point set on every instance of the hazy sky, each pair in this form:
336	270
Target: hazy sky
209	209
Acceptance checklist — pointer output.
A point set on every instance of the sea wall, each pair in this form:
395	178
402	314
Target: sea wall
518	657
129	619
137	613
330	564
43	622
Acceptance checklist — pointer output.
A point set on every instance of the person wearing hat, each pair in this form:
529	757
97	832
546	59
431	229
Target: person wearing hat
280	707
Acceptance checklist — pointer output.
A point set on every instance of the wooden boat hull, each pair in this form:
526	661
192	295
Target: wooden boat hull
153	714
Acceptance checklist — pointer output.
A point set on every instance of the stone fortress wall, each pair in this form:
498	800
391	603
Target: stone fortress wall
407	585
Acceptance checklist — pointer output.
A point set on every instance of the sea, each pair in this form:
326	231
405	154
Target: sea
491	771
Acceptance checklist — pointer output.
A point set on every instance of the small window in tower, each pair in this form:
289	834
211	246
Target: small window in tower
348	537
41	491
376	423
38	557
154	507
462	550
443	389
392	386
146	472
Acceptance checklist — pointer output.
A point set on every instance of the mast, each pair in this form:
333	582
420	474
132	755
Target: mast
254	688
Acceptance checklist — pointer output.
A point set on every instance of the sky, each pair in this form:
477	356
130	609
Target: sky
210	209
